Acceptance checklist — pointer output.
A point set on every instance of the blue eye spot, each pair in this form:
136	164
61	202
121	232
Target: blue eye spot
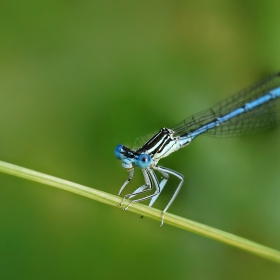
118	151
143	161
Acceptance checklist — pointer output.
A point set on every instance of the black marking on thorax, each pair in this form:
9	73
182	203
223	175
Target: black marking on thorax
157	143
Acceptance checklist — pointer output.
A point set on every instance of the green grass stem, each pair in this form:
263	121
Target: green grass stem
144	210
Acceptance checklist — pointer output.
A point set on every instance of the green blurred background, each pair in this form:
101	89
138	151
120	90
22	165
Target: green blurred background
79	77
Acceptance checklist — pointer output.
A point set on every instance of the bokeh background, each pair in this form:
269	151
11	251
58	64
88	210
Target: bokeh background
79	77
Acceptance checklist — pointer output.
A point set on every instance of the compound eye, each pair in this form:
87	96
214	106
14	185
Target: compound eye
118	151
143	161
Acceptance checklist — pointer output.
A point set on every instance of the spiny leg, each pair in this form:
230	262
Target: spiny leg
130	176
150	172
176	174
161	185
145	188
